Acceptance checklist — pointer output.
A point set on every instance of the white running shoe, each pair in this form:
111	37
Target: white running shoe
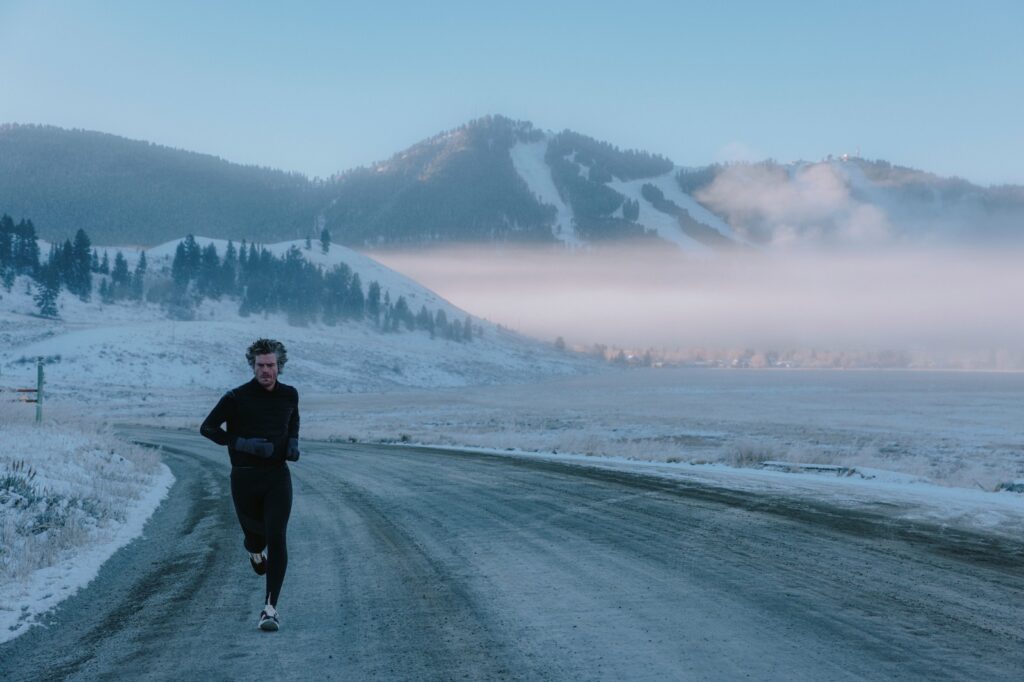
268	619
258	562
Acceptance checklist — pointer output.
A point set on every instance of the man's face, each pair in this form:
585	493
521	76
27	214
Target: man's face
265	369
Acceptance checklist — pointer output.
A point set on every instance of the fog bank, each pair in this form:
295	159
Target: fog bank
944	301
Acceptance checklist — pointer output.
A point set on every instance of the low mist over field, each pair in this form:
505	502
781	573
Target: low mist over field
941	301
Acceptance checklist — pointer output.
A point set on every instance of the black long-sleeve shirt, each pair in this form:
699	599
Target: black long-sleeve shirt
252	411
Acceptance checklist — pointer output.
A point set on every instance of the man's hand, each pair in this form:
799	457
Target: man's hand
261	447
293	450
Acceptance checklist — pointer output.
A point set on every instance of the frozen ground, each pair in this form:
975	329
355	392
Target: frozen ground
959	429
70	495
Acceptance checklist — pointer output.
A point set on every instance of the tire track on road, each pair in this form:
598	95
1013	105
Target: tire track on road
415	618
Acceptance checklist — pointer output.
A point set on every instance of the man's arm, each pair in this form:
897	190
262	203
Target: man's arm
218	415
293	433
293	423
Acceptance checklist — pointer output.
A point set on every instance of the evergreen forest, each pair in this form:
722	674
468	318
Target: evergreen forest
251	275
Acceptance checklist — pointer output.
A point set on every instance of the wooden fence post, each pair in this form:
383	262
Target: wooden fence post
39	390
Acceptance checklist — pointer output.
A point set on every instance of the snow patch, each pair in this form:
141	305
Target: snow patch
665	225
528	160
70	499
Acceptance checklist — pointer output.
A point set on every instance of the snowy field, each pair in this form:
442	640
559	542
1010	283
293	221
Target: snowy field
945	445
955	428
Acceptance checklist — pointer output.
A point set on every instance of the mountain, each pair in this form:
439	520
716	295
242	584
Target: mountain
491	180
124	191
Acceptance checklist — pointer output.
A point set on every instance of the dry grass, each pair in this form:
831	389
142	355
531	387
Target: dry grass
63	483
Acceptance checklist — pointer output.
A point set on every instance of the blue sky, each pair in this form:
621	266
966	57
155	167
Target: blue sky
323	87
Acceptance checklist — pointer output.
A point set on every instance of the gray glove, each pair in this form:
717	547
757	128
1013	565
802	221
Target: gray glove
260	447
293	450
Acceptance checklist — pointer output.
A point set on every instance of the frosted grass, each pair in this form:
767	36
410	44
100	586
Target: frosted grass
70	495
954	428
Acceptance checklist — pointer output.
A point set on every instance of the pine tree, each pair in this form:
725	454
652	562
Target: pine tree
61	257
138	277
325	240
105	265
373	302
80	262
120	279
26	248
441	324
336	283
355	301
228	271
48	291
187	259
179	267
290	286
6	243
193	255
180	302
253	262
106	295
209	275
424	320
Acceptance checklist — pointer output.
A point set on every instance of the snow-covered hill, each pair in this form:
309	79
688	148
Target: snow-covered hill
368	269
133	349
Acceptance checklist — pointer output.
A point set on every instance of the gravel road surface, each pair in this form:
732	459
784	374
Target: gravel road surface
417	564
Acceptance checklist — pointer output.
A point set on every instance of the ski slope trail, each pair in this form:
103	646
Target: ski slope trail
413	563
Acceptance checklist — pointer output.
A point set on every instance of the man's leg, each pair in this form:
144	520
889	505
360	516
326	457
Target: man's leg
277	507
248	498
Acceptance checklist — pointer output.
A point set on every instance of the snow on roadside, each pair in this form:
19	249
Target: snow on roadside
902	497
70	496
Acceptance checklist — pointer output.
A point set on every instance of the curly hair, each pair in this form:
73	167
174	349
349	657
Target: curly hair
265	346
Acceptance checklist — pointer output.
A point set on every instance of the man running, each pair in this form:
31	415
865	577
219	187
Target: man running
262	419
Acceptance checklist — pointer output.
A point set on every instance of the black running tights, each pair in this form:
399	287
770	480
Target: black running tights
263	502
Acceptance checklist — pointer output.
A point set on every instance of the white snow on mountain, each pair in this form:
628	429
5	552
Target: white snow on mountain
665	225
667	184
528	160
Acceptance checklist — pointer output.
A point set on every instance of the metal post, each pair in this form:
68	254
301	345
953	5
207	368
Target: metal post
39	390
